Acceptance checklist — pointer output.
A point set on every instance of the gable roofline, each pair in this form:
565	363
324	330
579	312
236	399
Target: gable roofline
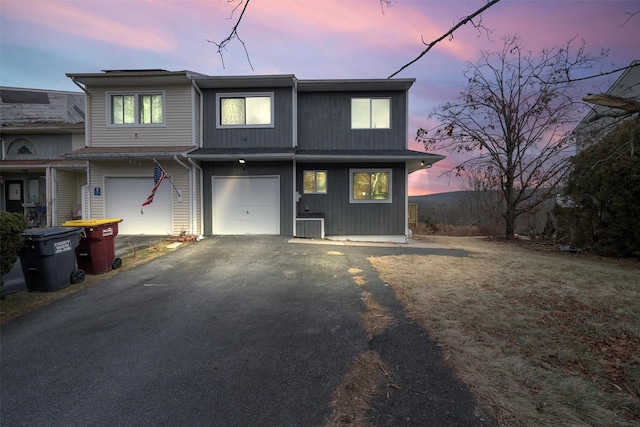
133	77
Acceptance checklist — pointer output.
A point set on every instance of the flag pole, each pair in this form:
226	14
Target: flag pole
170	177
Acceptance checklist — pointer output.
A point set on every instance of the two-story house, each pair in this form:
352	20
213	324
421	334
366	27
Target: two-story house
306	158
135	119
250	154
37	127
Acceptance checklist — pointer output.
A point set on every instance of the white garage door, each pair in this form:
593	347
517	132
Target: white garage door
124	198
246	205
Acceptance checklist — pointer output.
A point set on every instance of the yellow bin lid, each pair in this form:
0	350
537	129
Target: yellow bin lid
90	222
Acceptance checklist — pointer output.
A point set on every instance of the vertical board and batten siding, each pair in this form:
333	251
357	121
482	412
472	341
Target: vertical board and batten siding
345	218
324	122
280	135
68	193
283	169
99	171
47	146
176	130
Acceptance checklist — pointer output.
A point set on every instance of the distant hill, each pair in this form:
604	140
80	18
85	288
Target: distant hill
439	198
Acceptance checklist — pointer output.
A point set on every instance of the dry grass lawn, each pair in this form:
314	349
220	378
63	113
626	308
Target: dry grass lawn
540	337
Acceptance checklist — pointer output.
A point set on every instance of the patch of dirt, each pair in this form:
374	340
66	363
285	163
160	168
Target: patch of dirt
376	317
365	379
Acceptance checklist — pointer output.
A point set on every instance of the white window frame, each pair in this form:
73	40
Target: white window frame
315	181
220	96
370	170
370	112
136	108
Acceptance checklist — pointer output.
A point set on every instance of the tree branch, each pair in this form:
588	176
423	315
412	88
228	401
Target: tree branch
447	34
234	34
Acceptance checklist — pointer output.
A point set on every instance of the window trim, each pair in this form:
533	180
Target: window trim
370	170
315	181
220	96
370	98
136	107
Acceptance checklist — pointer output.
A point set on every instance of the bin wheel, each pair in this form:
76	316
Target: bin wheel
117	263
77	276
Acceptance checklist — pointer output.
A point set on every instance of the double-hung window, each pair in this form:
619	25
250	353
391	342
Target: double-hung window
370	113
245	110
136	109
315	182
370	185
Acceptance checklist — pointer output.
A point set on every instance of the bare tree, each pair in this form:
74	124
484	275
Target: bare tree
514	118
478	24
222	45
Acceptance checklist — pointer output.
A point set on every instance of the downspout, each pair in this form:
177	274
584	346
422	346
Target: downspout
175	157
87	112
197	137
195	165
50	191
294	131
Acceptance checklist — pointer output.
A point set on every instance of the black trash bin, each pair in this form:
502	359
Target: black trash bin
48	258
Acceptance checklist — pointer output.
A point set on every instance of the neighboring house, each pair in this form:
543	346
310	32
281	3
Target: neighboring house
37	128
250	154
626	86
133	119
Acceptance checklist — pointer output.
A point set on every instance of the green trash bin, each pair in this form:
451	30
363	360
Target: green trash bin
48	258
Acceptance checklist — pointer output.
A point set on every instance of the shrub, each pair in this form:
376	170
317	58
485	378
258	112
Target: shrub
11	227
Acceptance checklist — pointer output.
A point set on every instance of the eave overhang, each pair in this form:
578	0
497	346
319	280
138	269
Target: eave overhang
117	153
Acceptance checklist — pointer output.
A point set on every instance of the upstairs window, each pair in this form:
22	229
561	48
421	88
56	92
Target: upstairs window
245	110
136	109
370	186
370	113
315	182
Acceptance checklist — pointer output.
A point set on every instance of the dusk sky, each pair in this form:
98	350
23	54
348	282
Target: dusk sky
41	40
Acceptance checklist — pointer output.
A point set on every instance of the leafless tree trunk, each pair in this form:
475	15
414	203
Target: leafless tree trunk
515	118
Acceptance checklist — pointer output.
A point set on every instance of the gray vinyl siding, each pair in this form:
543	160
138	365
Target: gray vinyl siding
280	135
344	218
324	122
283	169
47	146
176	130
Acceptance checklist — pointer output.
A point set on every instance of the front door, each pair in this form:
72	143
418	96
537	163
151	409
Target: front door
14	195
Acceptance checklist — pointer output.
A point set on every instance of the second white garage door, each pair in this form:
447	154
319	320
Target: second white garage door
124	198
246	205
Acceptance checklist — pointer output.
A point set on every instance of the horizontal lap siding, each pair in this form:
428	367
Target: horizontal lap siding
345	218
68	194
142	168
177	129
282	169
324	122
278	136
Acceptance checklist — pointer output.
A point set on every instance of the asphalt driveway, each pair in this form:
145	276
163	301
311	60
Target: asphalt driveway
229	331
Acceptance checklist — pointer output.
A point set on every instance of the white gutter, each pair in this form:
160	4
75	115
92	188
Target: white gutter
50	191
295	197
197	142
191	192
195	165
87	112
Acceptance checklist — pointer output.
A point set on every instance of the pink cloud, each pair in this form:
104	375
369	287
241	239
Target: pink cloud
75	19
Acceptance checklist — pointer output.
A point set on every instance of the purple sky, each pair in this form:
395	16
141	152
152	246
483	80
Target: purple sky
41	40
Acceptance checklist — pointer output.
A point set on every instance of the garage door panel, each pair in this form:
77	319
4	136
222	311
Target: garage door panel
124	198
246	205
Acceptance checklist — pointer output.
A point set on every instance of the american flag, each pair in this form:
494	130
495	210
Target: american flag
158	176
